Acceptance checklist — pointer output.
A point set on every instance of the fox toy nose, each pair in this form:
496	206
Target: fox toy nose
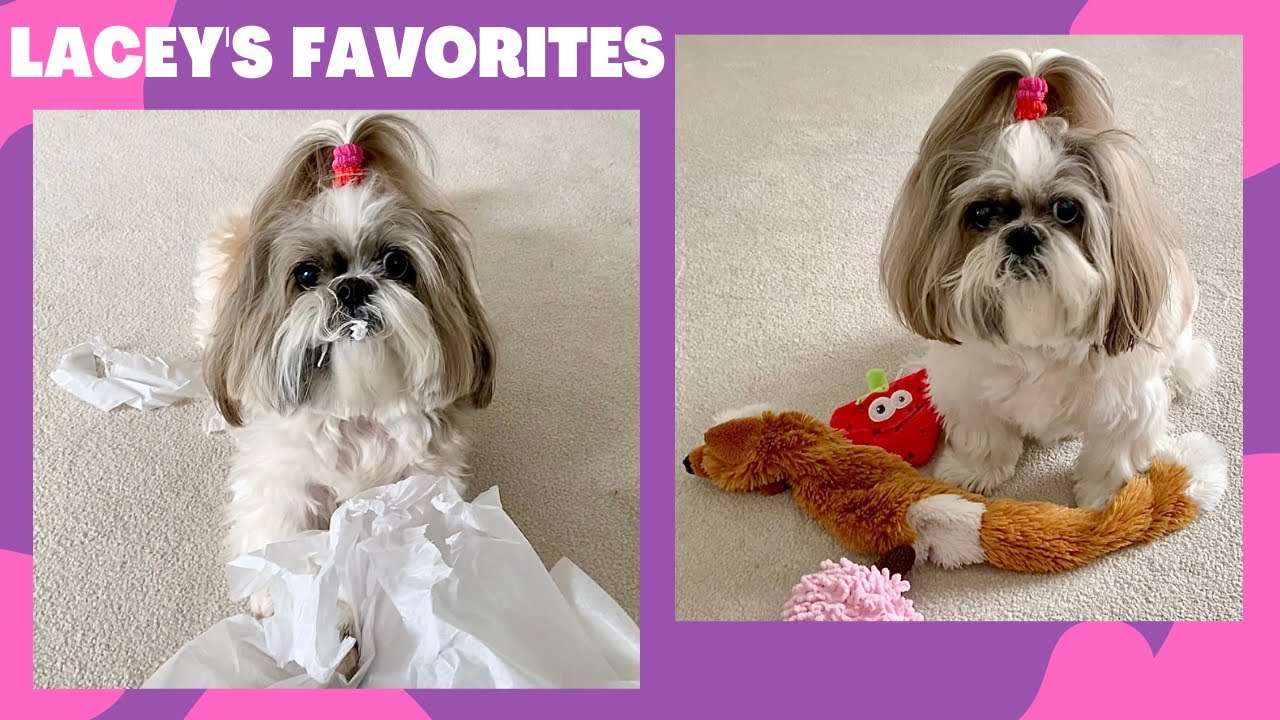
352	292
1023	241
688	466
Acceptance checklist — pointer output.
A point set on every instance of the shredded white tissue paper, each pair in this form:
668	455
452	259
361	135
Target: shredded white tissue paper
446	593
215	423
108	378
359	328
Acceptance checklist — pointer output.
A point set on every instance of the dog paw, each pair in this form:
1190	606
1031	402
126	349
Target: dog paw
1095	486
1094	494
1089	497
975	477
347	629
349	664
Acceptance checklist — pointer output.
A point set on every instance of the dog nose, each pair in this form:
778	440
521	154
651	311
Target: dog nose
352	292
688	466
1023	241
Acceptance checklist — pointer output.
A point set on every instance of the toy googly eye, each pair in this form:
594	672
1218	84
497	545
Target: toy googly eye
880	410
902	398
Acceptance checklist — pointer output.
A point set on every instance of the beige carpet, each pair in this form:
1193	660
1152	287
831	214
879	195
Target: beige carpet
128	503
789	154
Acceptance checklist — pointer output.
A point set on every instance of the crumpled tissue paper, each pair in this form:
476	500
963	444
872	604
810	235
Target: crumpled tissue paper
108	378
445	593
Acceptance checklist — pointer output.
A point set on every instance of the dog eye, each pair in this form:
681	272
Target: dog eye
880	410
396	264
306	275
1066	211
902	398
980	214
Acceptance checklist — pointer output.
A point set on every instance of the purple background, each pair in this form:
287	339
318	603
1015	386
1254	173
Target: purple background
988	670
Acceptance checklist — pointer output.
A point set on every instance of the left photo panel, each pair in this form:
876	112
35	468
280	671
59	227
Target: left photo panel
336	399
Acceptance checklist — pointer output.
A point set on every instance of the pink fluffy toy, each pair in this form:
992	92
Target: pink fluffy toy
847	591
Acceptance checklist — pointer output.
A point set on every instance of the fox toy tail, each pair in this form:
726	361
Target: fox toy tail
1037	537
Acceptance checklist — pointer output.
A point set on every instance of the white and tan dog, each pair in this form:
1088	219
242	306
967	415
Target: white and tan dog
342	331
1028	246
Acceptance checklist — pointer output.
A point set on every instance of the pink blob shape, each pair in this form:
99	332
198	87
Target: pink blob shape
1257	20
1206	670
846	591
21	95
15	662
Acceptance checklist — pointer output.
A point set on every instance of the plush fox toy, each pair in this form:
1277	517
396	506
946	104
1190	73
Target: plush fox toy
875	502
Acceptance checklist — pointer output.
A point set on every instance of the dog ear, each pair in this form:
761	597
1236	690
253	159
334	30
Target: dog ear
461	321
1144	250
1142	274
479	333
239	332
222	365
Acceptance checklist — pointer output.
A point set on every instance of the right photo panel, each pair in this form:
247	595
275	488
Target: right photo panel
959	328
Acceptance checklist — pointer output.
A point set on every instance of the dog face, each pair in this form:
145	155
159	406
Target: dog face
351	296
1036	233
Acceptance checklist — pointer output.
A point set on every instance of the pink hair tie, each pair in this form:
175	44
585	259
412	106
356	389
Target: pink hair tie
1031	92
348	164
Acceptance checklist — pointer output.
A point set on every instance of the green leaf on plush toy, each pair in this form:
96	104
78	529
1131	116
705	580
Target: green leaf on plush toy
877	381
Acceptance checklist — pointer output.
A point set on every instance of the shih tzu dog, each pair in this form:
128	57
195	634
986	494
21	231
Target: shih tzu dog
342	331
1028	245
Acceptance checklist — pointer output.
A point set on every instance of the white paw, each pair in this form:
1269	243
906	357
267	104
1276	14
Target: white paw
979	478
347	622
1093	494
350	663
347	628
1195	368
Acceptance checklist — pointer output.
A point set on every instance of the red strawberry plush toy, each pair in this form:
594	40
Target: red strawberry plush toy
896	416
